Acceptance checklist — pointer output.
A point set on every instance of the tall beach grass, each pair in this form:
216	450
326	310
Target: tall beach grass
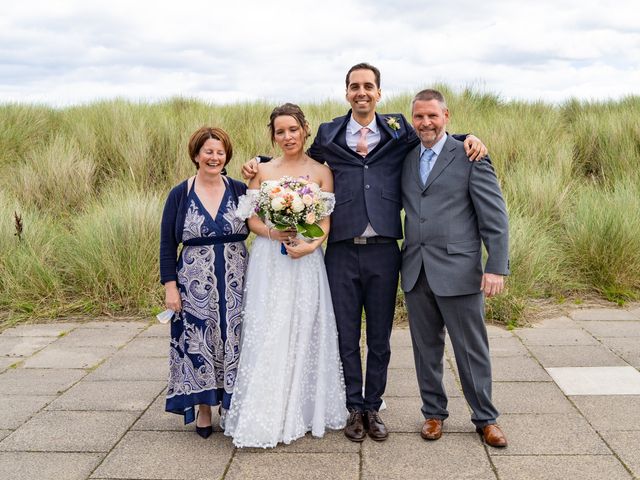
89	183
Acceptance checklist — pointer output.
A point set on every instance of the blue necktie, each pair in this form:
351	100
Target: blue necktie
425	164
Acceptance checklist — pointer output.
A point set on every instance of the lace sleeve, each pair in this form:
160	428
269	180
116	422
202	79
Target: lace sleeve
247	204
329	201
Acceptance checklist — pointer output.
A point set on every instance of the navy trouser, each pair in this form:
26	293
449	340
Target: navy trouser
364	276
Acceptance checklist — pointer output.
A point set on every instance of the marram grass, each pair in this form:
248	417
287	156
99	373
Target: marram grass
89	183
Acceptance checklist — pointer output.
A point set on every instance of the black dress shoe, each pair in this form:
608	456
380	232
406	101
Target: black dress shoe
204	432
354	429
376	427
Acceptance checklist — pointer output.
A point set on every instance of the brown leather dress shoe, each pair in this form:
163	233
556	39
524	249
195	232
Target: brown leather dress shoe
492	435
432	429
354	430
377	429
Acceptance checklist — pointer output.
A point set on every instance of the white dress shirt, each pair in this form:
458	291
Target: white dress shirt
353	134
437	148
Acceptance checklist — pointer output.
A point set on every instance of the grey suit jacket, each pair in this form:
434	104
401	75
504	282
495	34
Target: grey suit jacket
446	220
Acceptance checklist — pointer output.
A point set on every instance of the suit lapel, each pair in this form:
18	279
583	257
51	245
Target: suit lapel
414	166
443	160
386	139
337	138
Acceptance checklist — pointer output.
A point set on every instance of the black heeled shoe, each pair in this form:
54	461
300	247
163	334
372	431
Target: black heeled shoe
204	432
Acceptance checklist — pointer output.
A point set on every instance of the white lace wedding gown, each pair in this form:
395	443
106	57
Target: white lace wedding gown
290	377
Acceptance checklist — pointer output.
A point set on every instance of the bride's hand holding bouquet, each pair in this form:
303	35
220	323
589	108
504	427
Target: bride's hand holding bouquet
293	206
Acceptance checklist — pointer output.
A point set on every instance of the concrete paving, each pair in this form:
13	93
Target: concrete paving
85	400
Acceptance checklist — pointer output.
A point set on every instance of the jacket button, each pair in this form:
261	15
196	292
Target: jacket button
422	220
424	194
422	243
367	187
366	167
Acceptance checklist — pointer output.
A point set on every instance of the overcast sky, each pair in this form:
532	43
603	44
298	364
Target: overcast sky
70	52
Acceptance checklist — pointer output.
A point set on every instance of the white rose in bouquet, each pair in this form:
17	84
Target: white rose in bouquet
277	204
297	205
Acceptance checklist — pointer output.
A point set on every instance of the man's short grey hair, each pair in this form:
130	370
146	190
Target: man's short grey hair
429	94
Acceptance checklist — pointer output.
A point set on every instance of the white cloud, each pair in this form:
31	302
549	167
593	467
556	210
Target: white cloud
71	51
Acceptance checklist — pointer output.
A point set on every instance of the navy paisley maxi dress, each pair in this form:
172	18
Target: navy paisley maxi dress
205	336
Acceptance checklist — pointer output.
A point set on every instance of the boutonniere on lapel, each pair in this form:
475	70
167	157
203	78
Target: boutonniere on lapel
394	125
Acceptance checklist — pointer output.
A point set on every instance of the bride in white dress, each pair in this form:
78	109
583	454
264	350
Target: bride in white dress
289	379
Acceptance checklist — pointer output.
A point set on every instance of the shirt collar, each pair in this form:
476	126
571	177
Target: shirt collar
437	148
354	127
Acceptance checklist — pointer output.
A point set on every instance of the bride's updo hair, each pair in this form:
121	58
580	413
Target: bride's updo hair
292	110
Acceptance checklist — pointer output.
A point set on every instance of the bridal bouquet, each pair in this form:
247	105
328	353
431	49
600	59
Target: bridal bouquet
289	203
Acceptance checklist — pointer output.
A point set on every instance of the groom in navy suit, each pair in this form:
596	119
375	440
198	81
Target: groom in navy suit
366	151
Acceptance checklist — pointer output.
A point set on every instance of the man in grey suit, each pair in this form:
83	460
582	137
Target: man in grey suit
452	207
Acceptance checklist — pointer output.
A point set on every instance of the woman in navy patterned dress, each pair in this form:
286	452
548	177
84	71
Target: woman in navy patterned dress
205	284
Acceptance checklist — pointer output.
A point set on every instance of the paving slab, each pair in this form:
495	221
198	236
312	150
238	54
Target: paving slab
4	433
156	418
530	397
549	434
6	362
28	381
164	455
556	323
39	330
625	444
402	382
70	432
157	330
597	380
123	367
613	329
47	466
400	337
65	357
96	337
603	314
580	356
627	348
17	409
496	331
560	467
506	347
310	466
109	395
611	412
333	441
517	369
23	346
454	456
115	325
404	415
402	357
555	336
146	347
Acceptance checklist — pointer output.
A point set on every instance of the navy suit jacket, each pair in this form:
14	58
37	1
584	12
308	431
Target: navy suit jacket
367	189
